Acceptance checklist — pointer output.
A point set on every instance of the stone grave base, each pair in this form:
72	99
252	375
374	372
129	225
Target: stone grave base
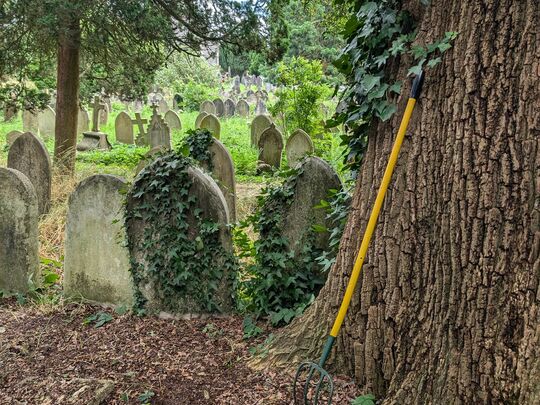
93	140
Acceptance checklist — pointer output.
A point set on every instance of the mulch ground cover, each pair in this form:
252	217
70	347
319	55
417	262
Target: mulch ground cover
55	357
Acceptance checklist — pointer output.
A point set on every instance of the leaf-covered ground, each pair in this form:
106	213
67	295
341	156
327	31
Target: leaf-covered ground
54	357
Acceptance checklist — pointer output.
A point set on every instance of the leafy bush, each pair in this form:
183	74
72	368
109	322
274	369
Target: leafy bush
120	155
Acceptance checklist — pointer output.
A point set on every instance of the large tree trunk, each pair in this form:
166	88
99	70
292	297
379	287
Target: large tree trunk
67	101
448	309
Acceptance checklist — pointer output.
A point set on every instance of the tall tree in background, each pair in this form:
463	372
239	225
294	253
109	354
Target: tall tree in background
121	43
448	307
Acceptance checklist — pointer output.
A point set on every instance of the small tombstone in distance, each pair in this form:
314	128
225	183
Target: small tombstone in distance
104	114
242	108
220	107
172	120
271	146
83	121
142	137
208	107
30	122
261	107
211	123
29	156
96	265
11	136
298	145
19	256
312	186
258	125
46	122
159	133
95	139
123	128
163	106
194	217
199	119
229	108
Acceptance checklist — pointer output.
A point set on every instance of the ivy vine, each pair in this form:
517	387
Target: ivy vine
377	34
183	266
198	144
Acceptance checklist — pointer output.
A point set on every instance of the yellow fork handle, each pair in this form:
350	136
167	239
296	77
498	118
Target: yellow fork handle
373	218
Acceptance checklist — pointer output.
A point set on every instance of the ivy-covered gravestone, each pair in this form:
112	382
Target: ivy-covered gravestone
180	246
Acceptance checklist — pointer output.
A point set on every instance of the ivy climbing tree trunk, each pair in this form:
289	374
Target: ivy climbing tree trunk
448	308
67	98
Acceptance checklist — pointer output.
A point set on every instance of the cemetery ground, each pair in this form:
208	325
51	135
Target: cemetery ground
54	351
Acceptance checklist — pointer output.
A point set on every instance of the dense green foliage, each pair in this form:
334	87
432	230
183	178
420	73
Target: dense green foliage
190	268
198	143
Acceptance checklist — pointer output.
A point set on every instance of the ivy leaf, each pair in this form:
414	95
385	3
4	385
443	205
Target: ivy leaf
387	112
434	62
444	46
395	88
415	70
370	81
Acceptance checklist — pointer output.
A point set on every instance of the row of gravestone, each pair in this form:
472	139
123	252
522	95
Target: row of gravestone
124	131
226	109
97	261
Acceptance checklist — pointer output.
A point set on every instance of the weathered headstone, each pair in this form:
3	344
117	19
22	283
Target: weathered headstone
19	255
229	108
123	128
252	99
96	264
261	107
30	122
211	122
259	124
29	156
159	133
83	121
11	136
220	107
208	107
312	186
298	145
271	146
142	137
163	107
104	115
173	120
200	118
95	139
46	122
210	205
242	108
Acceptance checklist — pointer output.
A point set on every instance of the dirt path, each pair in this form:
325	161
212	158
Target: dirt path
55	358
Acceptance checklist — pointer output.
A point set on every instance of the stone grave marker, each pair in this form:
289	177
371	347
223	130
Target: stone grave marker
199	119
208	107
312	186
163	106
298	145
159	133
46	122
210	204
173	120
229	108
96	264
123	128
30	122
211	122
271	146
261	107
29	156
258	125
242	108
95	139
104	114
220	107
142	137
83	121
19	246
12	135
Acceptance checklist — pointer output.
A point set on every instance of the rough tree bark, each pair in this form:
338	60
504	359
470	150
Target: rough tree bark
67	97
448	309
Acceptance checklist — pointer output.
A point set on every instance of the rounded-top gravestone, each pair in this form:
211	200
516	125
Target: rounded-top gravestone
19	256
104	115
211	122
229	108
259	124
271	146
12	135
312	186
298	145
30	122
123	127
29	156
220	107
96	265
200	118
172	120
208	107
83	121
46	122
242	108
